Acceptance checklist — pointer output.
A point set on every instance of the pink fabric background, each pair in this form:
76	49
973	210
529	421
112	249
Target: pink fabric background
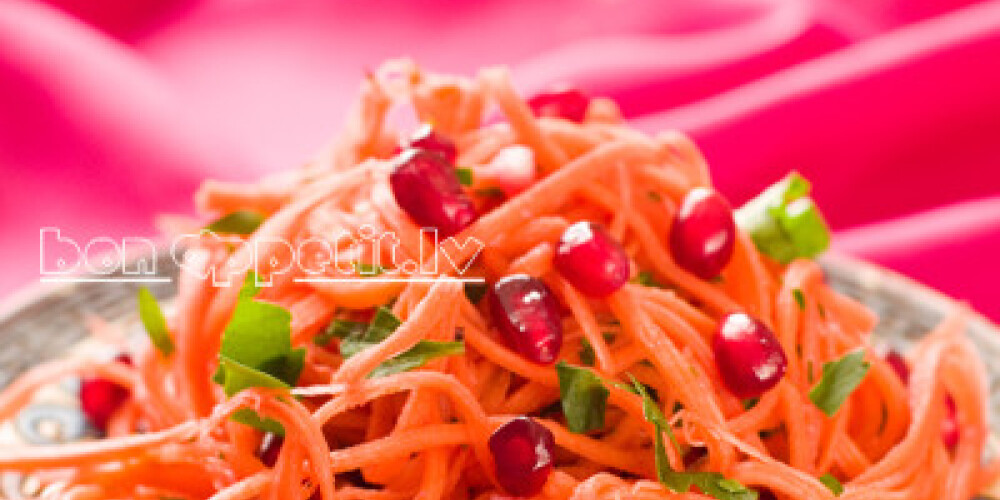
113	110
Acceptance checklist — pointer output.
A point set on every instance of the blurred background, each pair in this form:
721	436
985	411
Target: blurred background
112	111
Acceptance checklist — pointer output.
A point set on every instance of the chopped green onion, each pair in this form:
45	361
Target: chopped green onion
783	221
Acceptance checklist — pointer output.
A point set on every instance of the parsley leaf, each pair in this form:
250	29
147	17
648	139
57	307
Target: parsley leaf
256	351
368	269
832	483
417	356
358	336
584	397
783	221
646	278
838	381
382	325
464	176
710	483
491	192
341	329
800	299
587	355
238	222
153	321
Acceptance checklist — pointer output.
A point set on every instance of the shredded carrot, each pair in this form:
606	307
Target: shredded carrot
424	432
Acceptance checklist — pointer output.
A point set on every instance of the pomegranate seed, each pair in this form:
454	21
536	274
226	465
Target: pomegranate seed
703	233
100	398
270	449
522	450
949	426
527	315
694	455
765	495
426	188
898	365
427	139
592	260
749	356
562	102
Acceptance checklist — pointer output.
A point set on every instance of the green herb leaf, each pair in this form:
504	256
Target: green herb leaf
838	381
153	321
341	329
646	278
832	483
584	398
368	269
356	337
587	354
464	176
710	483
249	417
491	192
240	376
651	410
239	222
381	326
783	221
475	292
256	349
800	299
417	356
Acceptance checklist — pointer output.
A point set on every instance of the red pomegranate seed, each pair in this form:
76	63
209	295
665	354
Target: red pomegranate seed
427	139
765	495
703	233
561	102
949	426
522	450
592	260
426	188
270	449
749	356
527	315
694	455
100	397
898	365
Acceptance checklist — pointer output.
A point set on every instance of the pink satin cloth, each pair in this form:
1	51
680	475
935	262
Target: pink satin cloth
112	111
